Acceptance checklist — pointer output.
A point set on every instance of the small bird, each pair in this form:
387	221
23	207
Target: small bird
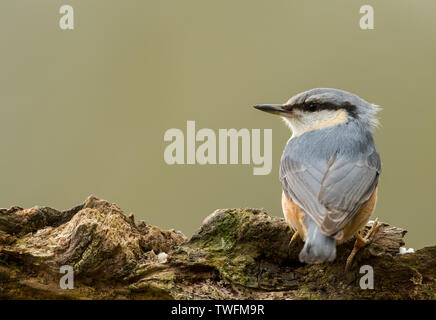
329	170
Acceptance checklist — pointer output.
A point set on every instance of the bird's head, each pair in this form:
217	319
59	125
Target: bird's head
322	107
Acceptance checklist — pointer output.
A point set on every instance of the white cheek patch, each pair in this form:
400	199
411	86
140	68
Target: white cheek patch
301	121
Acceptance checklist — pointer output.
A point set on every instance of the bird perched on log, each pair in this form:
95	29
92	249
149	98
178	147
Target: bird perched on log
329	170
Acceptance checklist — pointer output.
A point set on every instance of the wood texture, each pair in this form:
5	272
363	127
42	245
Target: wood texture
236	254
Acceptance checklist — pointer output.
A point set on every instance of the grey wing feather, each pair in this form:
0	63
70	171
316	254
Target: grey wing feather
331	192
301	183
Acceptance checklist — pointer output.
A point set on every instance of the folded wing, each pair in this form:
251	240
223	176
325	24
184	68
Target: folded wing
331	192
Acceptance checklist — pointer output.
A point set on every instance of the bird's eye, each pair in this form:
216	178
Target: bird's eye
312	107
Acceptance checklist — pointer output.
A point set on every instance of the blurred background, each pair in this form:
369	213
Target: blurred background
84	111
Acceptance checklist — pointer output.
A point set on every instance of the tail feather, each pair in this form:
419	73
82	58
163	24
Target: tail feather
318	247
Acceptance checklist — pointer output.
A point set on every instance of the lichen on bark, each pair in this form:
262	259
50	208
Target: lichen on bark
236	254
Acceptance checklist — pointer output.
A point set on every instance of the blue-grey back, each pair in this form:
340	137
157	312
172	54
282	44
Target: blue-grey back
331	172
350	140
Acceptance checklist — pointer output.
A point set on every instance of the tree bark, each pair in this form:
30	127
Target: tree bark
236	254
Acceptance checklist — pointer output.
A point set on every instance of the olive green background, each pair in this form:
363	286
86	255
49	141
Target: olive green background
84	111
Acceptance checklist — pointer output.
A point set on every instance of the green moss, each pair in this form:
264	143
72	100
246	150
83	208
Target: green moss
233	258
150	291
223	237
89	257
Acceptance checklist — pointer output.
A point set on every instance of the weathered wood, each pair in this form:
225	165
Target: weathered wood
236	254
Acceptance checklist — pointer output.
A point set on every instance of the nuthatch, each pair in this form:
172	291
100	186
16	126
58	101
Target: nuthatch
329	170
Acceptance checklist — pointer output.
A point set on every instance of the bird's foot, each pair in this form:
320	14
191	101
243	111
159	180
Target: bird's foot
361	242
293	239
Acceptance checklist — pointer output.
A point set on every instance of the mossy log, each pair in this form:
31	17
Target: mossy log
236	254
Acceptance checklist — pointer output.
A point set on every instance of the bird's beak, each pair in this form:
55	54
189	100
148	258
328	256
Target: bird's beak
272	108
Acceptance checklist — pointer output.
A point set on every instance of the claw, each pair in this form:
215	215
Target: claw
372	231
293	239
361	242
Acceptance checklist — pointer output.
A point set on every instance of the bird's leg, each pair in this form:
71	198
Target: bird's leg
361	242
368	237
294	238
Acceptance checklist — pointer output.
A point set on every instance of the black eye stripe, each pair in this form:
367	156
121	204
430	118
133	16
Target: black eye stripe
315	106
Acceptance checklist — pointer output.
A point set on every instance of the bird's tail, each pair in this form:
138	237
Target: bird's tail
318	247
